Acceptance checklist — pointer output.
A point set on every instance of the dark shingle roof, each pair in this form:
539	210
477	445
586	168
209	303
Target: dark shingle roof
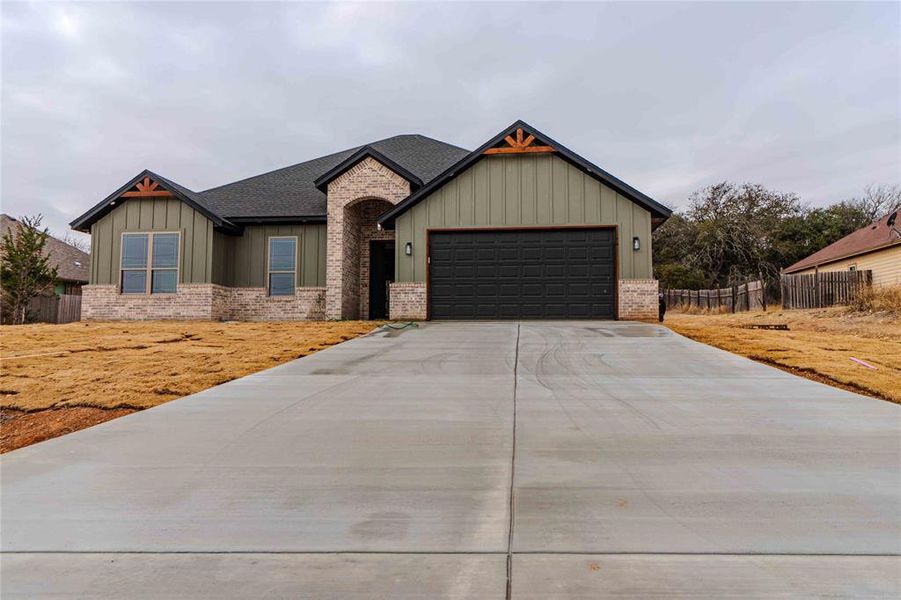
290	191
72	264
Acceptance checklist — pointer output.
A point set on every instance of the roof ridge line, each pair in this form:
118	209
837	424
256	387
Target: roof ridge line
352	150
291	166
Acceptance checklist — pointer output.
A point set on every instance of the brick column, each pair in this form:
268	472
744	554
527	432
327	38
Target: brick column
638	299
368	179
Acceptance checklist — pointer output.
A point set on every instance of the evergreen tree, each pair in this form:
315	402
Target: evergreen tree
25	271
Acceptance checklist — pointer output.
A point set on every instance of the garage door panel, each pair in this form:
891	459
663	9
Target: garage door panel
596	253
554	289
577	290
510	274
580	271
463	254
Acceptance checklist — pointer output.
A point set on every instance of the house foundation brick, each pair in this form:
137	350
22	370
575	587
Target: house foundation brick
105	303
638	299
408	302
204	302
255	304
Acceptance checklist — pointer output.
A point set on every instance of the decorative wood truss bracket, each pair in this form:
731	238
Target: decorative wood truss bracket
147	189
521	145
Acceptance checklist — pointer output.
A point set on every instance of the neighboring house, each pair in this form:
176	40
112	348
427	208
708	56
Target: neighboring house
407	227
72	264
876	247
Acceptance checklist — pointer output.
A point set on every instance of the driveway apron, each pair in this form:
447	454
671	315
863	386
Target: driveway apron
471	460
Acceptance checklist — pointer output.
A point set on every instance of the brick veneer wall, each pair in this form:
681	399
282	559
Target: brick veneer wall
369	179
408	301
638	299
105	303
204	302
349	281
255	304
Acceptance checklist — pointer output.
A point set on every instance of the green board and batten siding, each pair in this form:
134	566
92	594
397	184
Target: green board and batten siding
206	256
163	214
244	257
533	190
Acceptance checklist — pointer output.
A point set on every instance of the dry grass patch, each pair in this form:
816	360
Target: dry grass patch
122	366
139	365
885	298
819	344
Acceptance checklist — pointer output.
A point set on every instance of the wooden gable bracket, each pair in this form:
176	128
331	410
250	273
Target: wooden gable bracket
147	189
521	145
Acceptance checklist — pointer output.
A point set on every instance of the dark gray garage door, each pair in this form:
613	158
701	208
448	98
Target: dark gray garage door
529	274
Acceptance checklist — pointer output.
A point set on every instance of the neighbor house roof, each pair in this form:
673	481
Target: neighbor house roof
72	264
659	212
877	235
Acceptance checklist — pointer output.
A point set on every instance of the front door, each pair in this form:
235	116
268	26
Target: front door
381	273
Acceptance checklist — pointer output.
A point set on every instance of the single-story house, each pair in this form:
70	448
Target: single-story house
72	264
407	227
876	247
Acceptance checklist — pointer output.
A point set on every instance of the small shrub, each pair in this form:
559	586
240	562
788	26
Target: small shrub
882	298
699	310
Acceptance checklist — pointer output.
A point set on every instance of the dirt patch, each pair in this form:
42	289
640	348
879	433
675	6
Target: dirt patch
819	344
132	366
19	429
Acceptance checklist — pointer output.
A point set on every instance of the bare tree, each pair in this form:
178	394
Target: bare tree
734	230
82	243
879	200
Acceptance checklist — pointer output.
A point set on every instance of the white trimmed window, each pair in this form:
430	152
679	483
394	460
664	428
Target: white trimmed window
282	275
149	263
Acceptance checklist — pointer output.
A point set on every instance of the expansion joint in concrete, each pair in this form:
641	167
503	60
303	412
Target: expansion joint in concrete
512	469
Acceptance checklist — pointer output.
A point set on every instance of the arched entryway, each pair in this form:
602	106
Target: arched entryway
368	260
355	200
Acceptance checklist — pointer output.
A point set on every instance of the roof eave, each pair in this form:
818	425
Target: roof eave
820	263
279	219
84	222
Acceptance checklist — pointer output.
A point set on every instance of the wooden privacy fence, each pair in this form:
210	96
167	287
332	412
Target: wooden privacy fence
55	309
817	290
737	298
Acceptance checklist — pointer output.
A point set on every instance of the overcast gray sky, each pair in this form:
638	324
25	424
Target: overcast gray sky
669	97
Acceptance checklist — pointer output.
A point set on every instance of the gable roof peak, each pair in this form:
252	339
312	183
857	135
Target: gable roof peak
536	141
147	184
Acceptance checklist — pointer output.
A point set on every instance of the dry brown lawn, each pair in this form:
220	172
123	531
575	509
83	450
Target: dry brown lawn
58	378
819	345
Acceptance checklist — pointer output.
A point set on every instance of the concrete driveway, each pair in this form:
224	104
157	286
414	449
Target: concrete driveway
633	462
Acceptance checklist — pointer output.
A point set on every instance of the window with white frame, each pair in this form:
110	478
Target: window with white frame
149	263
282	265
